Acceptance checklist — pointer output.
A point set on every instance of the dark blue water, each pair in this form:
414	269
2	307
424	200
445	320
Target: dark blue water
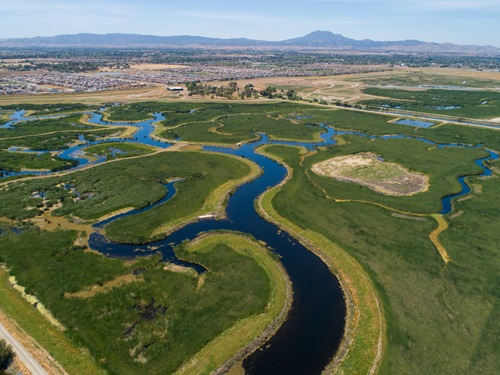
309	338
447	201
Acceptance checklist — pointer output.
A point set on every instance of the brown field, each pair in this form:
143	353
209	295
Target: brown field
142	94
346	87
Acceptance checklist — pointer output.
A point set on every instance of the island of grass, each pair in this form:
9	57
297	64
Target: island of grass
117	150
368	170
162	316
19	160
90	194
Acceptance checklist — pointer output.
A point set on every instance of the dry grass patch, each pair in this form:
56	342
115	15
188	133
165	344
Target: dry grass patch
366	169
97	289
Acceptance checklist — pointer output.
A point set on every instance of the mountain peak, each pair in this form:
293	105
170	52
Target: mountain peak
320	39
320	34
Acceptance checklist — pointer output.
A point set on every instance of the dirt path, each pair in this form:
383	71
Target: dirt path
24	355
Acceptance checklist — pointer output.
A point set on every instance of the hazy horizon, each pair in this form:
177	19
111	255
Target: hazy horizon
461	22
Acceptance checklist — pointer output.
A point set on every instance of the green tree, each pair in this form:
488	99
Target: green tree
6	355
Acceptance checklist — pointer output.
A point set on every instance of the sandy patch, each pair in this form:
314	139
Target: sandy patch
177	146
365	169
180	269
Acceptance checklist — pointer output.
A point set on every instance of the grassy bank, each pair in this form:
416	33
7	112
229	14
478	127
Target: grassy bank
247	334
74	359
362	346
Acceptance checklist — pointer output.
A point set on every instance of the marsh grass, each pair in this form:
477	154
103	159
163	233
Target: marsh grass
119	150
15	161
474	104
153	326
441	165
437	322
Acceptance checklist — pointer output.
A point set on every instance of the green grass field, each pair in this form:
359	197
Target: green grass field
128	183
50	109
419	79
460	103
442	165
45	126
431	315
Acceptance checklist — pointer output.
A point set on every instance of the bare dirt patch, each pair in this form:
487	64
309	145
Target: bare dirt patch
366	169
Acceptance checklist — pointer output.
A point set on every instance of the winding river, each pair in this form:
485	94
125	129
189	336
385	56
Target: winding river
310	336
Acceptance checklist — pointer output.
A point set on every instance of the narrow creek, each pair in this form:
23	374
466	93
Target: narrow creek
310	336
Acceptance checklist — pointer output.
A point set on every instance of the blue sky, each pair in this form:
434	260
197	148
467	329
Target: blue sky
455	21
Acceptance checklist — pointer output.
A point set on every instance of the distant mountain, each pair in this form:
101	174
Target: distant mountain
327	39
315	40
124	40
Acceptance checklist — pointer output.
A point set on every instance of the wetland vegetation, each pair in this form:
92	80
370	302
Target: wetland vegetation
460	103
428	310
436	318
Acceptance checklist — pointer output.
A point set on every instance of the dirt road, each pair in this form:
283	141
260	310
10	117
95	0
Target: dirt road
24	356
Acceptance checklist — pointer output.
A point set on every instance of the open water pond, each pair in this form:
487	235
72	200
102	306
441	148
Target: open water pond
415	123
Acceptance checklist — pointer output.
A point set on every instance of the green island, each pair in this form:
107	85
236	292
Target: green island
117	150
420	286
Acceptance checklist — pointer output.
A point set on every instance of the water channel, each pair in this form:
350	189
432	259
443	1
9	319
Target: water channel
310	336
